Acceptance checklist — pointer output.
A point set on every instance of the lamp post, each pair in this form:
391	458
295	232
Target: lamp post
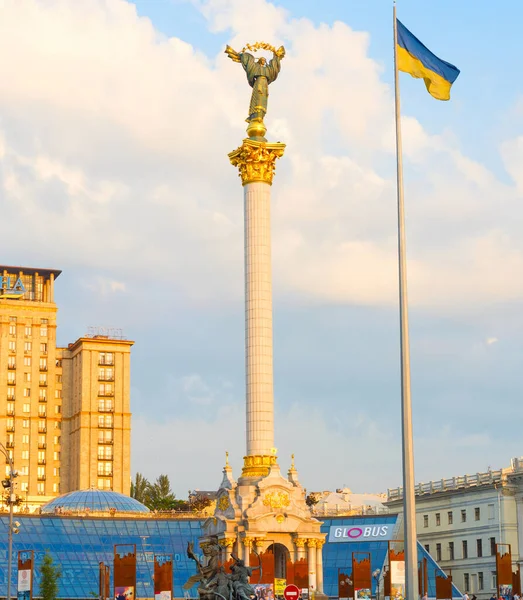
376	577
8	483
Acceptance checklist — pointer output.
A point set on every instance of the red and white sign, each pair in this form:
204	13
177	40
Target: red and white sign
291	592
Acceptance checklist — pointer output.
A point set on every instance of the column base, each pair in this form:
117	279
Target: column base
258	465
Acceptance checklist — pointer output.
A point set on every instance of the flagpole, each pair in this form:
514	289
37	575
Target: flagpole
409	505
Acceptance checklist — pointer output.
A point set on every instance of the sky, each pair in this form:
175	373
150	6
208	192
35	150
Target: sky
116	119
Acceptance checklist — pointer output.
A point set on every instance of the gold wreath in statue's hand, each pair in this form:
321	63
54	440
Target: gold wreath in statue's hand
280	52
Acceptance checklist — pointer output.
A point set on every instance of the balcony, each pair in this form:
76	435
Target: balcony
42	415
42	429
42	399
105	425
11	381
105	441
106	362
41	461
11	367
102	474
106	394
42	383
102	457
10	412
11	397
43	368
10	444
41	477
42	445
10	428
105	409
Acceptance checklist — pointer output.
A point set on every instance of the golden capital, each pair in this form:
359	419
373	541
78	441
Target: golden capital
319	544
227	542
256	161
247	542
300	542
311	543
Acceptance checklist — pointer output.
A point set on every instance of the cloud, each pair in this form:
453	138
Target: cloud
125	140
492	340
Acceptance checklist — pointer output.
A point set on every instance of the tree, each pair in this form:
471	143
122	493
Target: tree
199	502
139	488
312	499
49	578
159	495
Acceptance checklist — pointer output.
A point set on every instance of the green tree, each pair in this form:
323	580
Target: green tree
139	488
199	502
49	578
159	495
312	499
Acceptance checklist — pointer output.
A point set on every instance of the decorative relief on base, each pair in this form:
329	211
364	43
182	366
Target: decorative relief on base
256	161
276	500
257	466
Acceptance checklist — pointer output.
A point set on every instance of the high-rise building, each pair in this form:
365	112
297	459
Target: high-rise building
65	411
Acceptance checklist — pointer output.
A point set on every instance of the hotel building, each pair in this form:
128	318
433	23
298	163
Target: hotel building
65	412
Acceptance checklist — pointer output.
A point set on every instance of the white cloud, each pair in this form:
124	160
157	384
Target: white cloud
492	340
114	140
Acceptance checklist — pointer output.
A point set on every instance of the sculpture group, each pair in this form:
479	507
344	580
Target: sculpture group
214	582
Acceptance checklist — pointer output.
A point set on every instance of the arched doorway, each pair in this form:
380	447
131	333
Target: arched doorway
281	556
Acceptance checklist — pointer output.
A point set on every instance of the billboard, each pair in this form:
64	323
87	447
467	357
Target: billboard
367	533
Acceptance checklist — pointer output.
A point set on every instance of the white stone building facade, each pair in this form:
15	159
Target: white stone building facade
460	520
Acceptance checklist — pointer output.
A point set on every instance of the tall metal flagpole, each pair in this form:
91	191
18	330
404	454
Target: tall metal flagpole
409	506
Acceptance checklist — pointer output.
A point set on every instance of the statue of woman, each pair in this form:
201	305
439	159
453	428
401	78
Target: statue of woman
259	75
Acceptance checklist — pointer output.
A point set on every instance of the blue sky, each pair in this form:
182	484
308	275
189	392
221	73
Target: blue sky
115	123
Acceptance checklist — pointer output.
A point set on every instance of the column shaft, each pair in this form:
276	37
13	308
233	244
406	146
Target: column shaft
258	320
311	546
319	567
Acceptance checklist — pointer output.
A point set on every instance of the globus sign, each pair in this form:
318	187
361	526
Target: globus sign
365	533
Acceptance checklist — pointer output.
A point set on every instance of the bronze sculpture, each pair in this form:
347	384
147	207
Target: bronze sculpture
259	75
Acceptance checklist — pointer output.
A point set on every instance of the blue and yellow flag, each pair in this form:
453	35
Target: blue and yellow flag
417	60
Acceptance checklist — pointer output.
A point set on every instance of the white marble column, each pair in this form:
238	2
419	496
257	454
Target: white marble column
311	555
300	549
247	543
319	566
258	319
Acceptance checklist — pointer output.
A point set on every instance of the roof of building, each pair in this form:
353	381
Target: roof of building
93	501
30	270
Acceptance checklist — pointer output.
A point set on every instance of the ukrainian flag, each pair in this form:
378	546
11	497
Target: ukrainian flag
417	60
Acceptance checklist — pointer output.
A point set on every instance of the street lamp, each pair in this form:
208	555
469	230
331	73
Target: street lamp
8	484
376	577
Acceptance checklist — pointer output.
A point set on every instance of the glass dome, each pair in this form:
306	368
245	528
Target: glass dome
93	501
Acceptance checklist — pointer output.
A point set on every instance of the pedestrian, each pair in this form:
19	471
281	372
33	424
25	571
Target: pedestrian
466	596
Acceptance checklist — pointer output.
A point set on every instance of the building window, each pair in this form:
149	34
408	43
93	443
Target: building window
27	392
481	583
493	546
494	580
451	550
12	329
28	331
58	379
43	348
105	453
43	331
477	514
425	520
28	346
27	361
25	454
490	512
27	377
427	548
25	439
106	358
450	517
438	552
11	362
25	423
24	486
42	394
57	439
43	378
479	546
11	379
26	408
58	393
24	470
40	489
466	581
12	319
465	550
105	437
57	455
56	471
12	346
438	519
10	393
43	364
464	515
105	389
105	421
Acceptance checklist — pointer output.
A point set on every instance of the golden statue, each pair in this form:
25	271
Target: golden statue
259	75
